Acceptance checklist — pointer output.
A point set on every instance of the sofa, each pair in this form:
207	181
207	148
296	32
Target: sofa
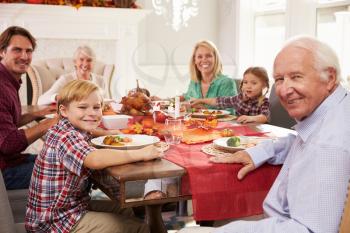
43	73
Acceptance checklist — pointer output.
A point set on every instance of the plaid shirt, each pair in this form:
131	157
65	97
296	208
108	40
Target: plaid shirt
250	107
59	189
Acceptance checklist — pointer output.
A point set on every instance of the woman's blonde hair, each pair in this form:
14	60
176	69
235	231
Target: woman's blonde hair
194	72
77	90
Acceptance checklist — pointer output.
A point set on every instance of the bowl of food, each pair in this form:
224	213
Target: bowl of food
115	121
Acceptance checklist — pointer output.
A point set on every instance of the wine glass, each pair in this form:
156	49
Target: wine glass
173	131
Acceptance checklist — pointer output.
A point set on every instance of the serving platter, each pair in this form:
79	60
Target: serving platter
203	113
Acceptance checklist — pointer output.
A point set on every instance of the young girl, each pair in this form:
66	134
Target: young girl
59	198
251	105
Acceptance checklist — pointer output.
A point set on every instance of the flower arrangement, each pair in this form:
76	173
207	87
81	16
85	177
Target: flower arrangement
79	3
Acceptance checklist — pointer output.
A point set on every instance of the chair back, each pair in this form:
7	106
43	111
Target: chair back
7	223
278	115
345	220
43	73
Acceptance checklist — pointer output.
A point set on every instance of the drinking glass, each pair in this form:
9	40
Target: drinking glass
173	131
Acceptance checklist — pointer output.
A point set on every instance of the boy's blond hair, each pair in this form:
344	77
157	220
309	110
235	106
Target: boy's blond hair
77	90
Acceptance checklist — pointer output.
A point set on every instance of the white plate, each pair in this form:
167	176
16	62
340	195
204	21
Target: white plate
207	112
138	141
246	142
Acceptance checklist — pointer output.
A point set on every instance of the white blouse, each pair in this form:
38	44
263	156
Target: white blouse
50	95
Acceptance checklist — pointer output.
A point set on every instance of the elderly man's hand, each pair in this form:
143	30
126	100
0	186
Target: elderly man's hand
239	157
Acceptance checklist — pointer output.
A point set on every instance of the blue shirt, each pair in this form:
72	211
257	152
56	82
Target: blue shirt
310	191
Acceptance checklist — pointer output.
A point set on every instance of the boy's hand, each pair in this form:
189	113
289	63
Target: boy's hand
112	131
150	152
103	132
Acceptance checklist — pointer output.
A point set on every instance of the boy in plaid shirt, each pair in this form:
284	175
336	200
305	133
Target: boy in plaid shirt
59	198
251	105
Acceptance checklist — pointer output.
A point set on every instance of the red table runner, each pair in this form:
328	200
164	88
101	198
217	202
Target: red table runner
216	192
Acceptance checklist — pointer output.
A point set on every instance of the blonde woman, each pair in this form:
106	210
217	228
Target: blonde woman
84	59
207	80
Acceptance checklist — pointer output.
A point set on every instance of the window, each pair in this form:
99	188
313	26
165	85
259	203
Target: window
269	37
333	27
269	31
264	5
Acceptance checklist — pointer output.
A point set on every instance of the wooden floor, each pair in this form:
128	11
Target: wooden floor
174	223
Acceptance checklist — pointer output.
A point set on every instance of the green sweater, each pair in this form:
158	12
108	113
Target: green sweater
222	85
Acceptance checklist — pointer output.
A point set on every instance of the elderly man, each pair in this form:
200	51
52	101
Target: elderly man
16	48
309	193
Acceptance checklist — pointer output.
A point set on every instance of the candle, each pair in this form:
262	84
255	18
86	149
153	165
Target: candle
177	106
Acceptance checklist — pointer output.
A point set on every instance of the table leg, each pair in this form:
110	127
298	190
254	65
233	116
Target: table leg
154	218
208	223
181	209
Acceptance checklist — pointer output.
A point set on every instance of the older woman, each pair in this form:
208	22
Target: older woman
84	58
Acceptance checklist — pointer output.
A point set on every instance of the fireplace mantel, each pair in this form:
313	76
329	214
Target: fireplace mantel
118	28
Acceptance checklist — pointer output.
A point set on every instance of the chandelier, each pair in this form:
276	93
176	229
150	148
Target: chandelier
176	12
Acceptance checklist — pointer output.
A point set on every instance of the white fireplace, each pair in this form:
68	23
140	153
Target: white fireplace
113	33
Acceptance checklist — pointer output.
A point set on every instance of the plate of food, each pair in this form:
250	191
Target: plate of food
124	142
203	113
237	143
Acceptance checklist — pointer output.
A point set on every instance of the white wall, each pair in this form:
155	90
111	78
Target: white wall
163	56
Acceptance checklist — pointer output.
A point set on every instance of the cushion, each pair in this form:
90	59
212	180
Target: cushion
43	73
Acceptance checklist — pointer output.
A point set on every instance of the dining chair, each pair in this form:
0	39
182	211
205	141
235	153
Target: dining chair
278	115
43	73
7	223
345	220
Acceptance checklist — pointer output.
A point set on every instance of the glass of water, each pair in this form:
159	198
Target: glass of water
173	131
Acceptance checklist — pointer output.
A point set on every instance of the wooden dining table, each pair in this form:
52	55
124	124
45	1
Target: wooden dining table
169	167
163	168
